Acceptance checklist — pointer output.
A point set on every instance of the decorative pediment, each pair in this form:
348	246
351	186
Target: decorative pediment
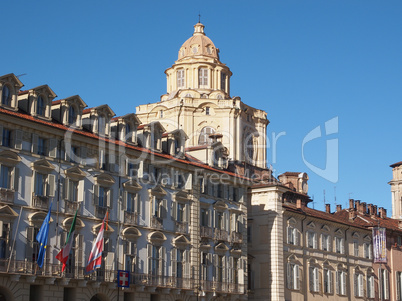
338	232
179	133
158	191
367	238
79	224
76	99
131	233
235	252
11	78
43	165
205	246
36	219
75	173
325	228
156	237
108	228
7	213
220	205
105	180
355	235
181	241
132	185
292	221
311	225
9	158
182	196
44	89
221	248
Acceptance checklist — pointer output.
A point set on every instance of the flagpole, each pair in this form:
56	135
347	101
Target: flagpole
15	237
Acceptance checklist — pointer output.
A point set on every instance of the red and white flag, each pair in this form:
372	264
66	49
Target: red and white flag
65	252
95	258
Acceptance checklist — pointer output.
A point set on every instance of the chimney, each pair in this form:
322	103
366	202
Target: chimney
370	209
357	205
298	203
363	206
352	214
374	213
351	204
338	208
382	212
328	208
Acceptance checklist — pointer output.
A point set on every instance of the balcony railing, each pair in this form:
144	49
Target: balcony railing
221	235
100	211
70	207
131	218
6	195
236	237
24	267
181	228
40	201
156	223
206	232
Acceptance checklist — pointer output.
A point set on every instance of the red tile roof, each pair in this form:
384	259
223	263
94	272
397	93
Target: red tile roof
396	164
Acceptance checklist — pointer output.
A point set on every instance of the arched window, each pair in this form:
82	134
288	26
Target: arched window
204	135
40	106
249	147
72	115
6	96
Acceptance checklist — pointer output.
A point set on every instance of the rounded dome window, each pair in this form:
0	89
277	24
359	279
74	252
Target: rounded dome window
195	50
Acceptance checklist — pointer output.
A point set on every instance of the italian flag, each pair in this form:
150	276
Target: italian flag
65	252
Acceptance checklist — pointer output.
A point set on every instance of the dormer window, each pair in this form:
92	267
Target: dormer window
6	96
101	125
128	132
203	78
40	106
72	115
180	78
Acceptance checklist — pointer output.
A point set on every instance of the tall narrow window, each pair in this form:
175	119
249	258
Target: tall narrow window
180	78
328	280
6	96
42	146
223	81
72	115
7	138
371	289
40	106
101	125
128	132
341	282
5	180
356	248
179	263
314	279
293	276
203	78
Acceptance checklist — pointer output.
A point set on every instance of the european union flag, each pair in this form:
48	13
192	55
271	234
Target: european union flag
42	238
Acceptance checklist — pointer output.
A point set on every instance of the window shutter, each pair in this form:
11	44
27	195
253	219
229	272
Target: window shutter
96	195
225	221
173	261
210	216
187	264
355	285
138	204
174	210
15	178
224	270
66	190
83	153
398	286
290	233
386	285
109	198
331	282
241	195
215	266
296	237
18	138
34	143
289	275
149	252
80	192
297	277
315	240
79	242
337	284
51	184
125	200
28	246
53	148
318	281
1	135
231	269
187	212
163	261
311	279
164	208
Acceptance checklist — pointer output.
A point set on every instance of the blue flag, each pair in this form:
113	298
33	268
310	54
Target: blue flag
42	238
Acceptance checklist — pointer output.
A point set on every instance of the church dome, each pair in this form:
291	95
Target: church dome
198	45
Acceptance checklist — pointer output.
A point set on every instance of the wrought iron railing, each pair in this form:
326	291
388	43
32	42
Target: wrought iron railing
6	195
221	235
100	211
70	206
40	201
156	223
25	267
206	232
181	228
131	218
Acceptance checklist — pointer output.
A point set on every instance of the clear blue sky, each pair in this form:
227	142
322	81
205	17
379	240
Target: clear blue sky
304	62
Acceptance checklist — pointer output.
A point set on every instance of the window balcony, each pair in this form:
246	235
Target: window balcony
100	211
70	207
181	228
206	232
221	287
236	237
6	195
131	218
156	223
221	235
40	201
